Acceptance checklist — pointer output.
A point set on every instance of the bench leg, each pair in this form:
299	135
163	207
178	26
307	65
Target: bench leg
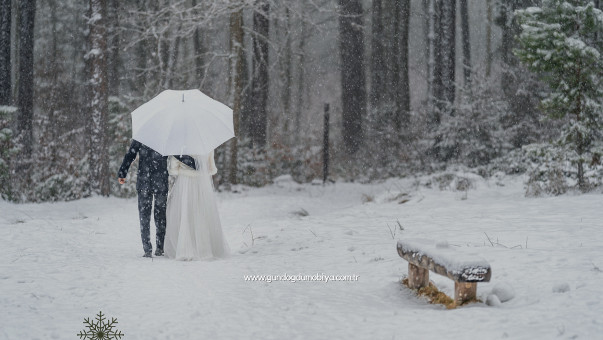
464	292
417	277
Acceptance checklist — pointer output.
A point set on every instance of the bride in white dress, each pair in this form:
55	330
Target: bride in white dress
193	223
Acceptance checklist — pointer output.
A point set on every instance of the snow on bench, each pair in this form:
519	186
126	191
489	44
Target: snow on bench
466	270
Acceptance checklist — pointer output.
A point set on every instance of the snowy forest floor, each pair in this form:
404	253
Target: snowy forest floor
63	262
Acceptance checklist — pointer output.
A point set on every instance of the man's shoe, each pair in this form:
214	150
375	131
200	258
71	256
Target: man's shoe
147	254
159	252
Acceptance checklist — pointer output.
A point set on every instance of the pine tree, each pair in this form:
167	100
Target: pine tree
559	41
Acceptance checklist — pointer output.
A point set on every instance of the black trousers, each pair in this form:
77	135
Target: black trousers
145	205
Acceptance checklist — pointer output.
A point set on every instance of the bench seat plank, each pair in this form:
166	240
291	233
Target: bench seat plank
444	260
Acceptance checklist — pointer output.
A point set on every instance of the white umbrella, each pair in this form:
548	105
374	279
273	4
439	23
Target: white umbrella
182	123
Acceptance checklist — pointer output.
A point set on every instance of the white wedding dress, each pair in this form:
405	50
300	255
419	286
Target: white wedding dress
193	223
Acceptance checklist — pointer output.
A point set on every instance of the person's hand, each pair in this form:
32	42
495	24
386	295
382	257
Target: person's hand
122	180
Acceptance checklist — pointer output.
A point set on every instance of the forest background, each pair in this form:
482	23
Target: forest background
411	86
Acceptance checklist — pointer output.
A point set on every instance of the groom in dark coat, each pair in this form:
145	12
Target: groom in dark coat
152	183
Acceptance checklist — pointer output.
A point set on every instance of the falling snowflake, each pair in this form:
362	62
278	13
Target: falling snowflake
101	329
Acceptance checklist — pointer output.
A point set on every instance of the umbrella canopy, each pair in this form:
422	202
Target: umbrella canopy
182	123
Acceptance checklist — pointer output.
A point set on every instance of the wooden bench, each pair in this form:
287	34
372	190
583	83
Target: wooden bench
466	270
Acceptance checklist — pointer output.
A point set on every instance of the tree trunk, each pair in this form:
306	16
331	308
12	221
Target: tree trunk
14	56
139	77
287	77
170	47
510	29
426	24
198	53
112	34
301	78
156	60
378	70
53	63
505	22
83	120
597	34
597	6
246	100
99	156
163	55
428	9
378	96
437	84
580	137
466	44
351	37
27	12
5	60
259	80
388	109
53	104
489	39
173	47
448	26
394	87
236	71
402	119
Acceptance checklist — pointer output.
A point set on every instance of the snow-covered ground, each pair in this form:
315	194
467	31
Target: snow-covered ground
64	262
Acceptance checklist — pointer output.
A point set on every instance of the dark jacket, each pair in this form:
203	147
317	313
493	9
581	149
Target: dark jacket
152	167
